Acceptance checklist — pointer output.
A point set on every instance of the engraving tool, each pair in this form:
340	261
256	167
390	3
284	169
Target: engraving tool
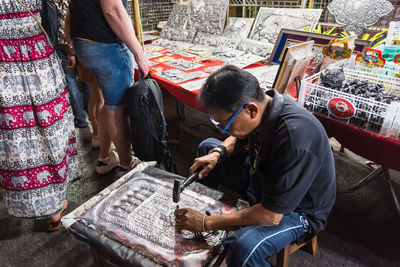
178	187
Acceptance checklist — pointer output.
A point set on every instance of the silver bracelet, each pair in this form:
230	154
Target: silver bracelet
203	223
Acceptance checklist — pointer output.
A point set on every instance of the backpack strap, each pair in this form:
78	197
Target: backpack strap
167	159
155	90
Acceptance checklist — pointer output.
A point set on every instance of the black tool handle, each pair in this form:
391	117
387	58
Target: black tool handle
190	180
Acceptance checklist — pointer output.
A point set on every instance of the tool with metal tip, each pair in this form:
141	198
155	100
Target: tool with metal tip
179	187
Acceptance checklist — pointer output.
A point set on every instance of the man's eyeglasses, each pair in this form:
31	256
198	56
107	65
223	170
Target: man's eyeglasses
225	129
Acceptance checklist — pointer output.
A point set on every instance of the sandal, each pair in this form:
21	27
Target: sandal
54	226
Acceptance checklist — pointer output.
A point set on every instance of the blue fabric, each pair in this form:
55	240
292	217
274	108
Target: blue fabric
85	94
252	245
70	76
231	173
112	67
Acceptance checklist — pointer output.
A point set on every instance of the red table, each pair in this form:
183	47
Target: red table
187	97
381	150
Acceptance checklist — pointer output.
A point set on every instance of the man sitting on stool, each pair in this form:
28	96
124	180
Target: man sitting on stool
277	157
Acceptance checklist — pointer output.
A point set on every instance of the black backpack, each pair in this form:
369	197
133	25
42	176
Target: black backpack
148	126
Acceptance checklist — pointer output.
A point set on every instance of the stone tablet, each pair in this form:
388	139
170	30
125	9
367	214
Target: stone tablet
140	214
238	27
270	21
208	15
183	64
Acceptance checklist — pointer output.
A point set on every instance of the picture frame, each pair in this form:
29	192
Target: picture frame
288	37
284	80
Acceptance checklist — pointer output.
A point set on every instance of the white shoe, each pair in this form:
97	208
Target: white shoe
95	141
105	165
122	170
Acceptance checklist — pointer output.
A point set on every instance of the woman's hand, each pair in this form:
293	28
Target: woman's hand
71	62
143	65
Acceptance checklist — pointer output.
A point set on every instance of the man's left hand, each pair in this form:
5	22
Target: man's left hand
188	219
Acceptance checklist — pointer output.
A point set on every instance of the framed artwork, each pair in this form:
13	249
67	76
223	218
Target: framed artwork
288	37
299	57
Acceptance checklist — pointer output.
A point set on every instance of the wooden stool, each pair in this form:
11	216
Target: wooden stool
282	258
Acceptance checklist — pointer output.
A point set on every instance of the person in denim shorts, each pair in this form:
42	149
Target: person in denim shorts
104	42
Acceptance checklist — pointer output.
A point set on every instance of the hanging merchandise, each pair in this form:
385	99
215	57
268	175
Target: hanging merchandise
371	58
393	35
338	49
356	15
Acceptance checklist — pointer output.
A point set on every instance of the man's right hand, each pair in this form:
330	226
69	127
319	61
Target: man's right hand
207	163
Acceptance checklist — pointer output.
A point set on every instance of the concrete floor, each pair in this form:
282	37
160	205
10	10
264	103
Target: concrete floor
363	229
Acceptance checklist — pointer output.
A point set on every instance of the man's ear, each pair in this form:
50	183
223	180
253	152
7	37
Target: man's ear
252	109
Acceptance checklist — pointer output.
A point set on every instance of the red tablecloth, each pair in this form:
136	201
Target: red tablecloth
382	150
187	97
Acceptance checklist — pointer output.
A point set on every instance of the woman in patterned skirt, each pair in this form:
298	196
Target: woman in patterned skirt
38	152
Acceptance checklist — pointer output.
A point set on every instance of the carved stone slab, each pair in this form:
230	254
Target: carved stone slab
151	55
226	54
208	15
183	35
182	53
172	44
244	60
177	28
184	64
178	76
194	85
200	49
140	214
264	74
238	27
179	17
212	69
215	40
261	49
270	21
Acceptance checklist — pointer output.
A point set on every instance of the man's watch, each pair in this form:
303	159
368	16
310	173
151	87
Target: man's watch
221	150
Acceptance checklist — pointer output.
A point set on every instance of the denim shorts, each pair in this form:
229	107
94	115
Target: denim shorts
112	67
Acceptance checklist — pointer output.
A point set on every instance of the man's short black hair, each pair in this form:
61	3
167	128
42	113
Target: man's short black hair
229	87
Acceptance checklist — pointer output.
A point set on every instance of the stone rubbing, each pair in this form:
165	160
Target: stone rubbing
140	214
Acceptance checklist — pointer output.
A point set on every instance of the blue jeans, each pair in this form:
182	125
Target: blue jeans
232	173
70	76
112	67
251	245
